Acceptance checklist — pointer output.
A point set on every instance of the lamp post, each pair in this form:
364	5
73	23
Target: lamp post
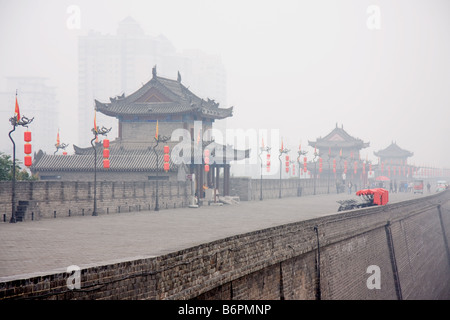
24	122
96	131
158	139
262	149
329	169
300	154
282	151
315	169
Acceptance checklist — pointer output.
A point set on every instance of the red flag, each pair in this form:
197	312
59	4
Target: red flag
95	122
57	139
17	111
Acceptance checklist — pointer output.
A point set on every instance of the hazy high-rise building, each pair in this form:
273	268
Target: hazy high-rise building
36	100
112	65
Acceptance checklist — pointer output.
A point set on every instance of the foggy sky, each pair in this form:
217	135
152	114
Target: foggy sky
297	66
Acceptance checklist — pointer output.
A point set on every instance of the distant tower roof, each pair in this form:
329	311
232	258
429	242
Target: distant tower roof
393	151
339	138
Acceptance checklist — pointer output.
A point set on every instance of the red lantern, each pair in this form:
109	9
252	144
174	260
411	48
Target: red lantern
27	136
105	153
345	166
27	148
355	167
106	163
65	153
287	169
287	158
206	159
166	158
305	164
320	165
105	143
28	161
334	165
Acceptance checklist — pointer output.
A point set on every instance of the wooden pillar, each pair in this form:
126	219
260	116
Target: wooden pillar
218	178
226	180
201	174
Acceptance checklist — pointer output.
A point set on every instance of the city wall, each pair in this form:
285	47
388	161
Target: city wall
51	199
332	257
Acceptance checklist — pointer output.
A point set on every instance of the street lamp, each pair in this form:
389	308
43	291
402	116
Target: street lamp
282	151
315	169
24	122
300	154
96	131
158	139
262	149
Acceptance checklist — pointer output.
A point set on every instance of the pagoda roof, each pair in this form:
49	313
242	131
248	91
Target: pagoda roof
123	157
393	151
339	138
162	96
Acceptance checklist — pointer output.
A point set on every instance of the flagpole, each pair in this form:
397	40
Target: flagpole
13	196
16	121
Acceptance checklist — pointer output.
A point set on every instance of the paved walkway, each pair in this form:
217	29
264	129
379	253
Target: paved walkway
38	247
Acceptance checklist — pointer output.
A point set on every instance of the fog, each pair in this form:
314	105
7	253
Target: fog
296	66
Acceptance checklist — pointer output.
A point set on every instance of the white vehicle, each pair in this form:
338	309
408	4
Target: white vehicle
441	185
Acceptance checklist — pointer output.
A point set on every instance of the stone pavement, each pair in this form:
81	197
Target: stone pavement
33	248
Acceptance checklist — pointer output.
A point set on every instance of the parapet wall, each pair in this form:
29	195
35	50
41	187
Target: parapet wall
49	199
403	246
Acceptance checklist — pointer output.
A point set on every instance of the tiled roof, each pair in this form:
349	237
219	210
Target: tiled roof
393	150
122	158
338	138
180	101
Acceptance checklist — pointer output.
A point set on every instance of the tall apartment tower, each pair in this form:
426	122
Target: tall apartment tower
122	63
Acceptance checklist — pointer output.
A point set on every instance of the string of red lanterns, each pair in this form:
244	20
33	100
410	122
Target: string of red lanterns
166	158
106	153
27	148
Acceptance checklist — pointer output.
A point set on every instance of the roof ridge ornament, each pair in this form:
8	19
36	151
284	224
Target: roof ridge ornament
154	71
179	77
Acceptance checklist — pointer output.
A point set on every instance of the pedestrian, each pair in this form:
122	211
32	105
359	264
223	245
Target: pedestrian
429	187
390	187
395	186
349	187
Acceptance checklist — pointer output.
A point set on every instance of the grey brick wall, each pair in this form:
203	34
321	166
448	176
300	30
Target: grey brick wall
47	198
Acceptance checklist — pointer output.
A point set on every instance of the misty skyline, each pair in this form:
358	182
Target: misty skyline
297	66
